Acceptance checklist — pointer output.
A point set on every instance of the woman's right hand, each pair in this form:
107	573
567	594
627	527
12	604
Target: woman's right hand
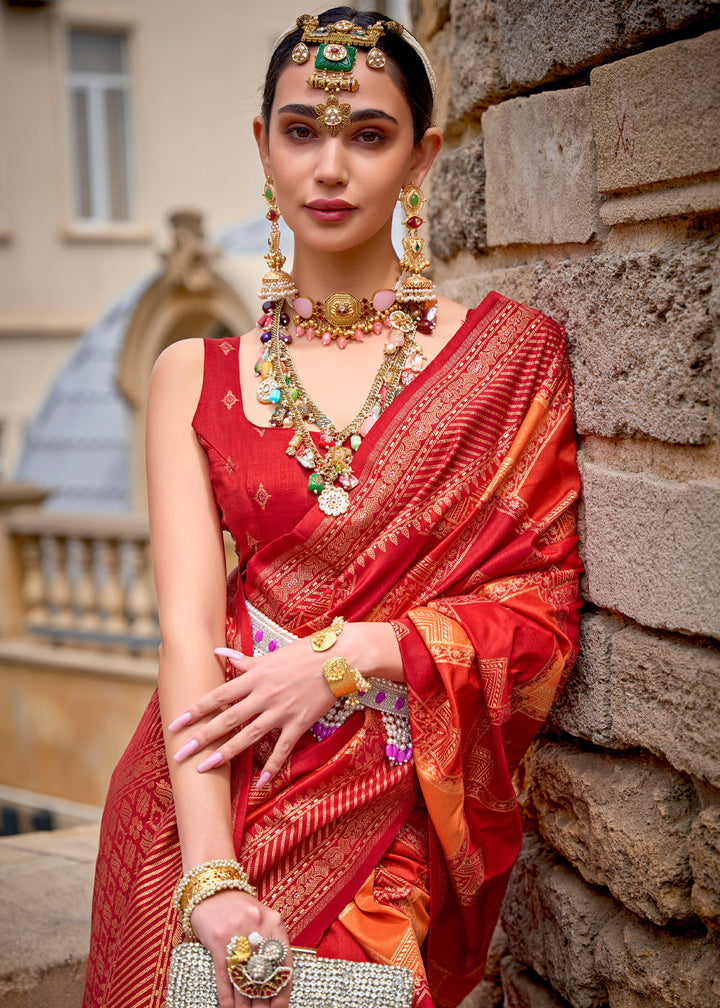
228	914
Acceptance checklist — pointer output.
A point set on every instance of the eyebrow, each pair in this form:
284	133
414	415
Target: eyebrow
360	115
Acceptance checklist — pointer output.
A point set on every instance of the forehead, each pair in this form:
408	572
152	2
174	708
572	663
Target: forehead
376	89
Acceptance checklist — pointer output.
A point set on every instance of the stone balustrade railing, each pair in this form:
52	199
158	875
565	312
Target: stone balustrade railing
84	580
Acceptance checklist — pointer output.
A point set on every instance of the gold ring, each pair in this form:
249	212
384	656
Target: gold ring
256	965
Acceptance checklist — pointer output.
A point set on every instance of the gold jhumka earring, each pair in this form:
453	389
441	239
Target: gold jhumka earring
276	284
412	285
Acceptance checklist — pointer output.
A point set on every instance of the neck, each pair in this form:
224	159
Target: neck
359	271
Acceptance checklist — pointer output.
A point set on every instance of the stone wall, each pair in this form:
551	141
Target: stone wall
581	174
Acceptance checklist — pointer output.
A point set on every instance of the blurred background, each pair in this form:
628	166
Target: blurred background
131	216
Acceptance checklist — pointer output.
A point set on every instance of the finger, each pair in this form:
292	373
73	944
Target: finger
250	734
236	658
219	728
282	999
227	652
227	995
283	747
214	701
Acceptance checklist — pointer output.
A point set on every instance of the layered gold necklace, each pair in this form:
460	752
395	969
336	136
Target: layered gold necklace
330	463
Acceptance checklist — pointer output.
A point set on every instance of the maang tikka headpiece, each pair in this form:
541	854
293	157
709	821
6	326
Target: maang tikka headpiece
338	44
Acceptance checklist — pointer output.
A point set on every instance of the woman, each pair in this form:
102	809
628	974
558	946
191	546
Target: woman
433	512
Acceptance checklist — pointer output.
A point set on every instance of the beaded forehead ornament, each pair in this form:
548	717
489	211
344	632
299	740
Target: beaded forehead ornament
337	49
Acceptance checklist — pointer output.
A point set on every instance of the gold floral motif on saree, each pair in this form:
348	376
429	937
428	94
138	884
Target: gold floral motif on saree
534	698
467	866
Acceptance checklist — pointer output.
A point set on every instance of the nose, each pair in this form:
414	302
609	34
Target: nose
331	168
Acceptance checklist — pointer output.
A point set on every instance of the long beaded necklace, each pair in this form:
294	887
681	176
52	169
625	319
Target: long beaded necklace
280	386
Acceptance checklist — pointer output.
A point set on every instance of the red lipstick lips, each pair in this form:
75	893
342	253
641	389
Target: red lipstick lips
329	211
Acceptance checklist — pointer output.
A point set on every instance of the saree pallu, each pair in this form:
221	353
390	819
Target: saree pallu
461	532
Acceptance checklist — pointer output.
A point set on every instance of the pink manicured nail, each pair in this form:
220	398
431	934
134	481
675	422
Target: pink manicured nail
227	652
263	779
180	722
187	750
211	762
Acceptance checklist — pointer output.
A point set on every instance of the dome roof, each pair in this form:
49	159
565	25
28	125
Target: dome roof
79	443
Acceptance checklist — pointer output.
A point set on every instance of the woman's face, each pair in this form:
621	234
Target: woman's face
338	192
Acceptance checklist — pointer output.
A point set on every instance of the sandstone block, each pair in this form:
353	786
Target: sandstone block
656	120
476	78
665	970
635	688
42	962
428	16
539	157
458	201
665	697
649	551
583	707
641	334
552	919
540	40
704	846
470	288
522	988
612	816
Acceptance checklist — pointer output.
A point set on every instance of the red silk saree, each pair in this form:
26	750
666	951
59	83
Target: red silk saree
461	532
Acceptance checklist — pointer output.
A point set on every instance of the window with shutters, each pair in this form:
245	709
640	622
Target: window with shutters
100	138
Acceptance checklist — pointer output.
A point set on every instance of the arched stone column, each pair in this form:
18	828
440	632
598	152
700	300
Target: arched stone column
190	298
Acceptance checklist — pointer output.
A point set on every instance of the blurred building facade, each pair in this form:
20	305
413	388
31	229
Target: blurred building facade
126	135
113	114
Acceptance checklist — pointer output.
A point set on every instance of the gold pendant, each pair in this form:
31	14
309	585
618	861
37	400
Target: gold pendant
266	386
333	501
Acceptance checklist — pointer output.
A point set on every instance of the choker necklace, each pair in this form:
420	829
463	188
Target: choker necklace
342	316
280	386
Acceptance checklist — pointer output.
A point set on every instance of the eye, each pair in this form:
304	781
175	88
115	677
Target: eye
370	136
299	131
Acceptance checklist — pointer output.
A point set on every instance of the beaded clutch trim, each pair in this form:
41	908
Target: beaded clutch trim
389	698
317	982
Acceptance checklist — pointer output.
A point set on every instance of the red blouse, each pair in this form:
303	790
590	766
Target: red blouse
260	491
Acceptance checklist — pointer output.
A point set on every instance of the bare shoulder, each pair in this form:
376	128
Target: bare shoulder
182	357
450	317
451	314
177	375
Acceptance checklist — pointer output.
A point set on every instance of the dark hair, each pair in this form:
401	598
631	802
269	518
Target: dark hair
404	64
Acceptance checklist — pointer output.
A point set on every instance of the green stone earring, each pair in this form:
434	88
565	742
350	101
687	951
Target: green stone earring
412	285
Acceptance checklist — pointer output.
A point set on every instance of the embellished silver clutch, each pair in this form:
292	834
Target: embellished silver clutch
316	982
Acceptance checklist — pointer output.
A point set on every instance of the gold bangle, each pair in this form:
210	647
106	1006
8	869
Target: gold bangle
207	877
204	881
210	890
343	680
323	640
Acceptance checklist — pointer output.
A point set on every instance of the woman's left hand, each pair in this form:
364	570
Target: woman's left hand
285	690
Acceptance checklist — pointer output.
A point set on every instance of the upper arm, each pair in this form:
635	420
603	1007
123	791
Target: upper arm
185	533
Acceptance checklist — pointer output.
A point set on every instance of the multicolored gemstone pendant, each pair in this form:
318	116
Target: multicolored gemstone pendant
330	462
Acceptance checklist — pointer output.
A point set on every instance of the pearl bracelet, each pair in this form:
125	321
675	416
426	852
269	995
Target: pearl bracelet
206	880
